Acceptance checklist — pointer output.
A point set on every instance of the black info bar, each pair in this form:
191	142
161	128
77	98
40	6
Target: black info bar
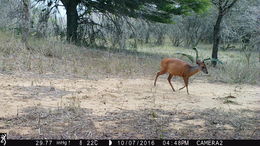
131	142
4	141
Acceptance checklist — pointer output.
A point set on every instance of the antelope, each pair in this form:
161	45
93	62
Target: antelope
177	67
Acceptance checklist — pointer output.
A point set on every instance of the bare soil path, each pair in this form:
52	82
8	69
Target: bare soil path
33	106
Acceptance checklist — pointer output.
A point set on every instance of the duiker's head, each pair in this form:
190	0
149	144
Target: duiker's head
200	63
202	66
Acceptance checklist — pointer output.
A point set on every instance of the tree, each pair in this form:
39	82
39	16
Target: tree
223	7
10	15
25	22
152	10
72	18
242	25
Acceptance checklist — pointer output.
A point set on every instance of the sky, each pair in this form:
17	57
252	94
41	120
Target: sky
62	11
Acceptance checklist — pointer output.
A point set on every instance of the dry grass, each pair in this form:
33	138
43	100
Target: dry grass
50	56
236	72
61	58
71	123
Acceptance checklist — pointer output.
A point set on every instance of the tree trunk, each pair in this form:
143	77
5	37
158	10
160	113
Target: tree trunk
72	19
147	34
25	23
216	39
147	37
160	38
92	36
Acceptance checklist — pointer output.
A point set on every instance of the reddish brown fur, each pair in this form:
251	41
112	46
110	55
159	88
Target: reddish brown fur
177	67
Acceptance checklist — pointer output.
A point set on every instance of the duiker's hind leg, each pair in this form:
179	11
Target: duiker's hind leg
186	81
158	74
169	80
182	87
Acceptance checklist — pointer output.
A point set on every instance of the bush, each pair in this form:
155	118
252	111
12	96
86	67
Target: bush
236	72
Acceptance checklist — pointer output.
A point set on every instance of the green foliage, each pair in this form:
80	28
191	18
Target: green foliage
191	58
217	60
198	6
152	10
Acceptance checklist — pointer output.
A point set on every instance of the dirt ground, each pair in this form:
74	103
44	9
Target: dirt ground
45	106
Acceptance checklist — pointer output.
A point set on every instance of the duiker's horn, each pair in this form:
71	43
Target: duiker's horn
197	55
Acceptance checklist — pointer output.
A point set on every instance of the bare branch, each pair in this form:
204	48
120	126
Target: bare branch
226	9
